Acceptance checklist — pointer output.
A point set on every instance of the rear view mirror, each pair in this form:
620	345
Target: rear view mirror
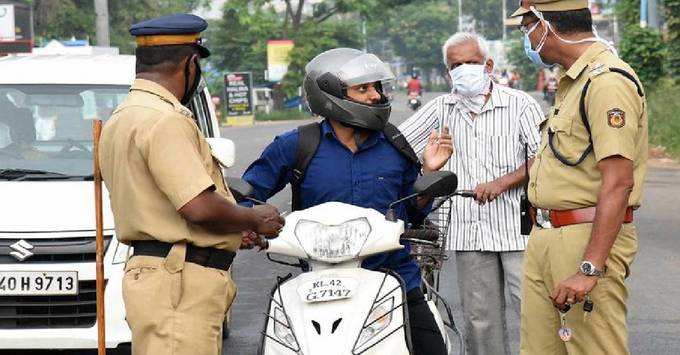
239	188
436	184
223	150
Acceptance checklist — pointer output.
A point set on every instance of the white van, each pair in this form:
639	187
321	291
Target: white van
47	220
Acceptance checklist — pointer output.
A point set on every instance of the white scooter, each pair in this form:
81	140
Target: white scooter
339	308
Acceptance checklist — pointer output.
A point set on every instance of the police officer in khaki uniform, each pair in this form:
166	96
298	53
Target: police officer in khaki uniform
585	184
170	201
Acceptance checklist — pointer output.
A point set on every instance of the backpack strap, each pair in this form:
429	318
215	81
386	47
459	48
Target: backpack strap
397	139
584	119
309	137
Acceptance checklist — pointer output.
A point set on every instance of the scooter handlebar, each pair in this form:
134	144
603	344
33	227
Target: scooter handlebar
466	193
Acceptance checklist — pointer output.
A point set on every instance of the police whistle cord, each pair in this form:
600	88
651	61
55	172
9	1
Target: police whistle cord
99	241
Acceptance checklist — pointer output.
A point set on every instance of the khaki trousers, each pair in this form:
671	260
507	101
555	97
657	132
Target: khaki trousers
173	307
552	255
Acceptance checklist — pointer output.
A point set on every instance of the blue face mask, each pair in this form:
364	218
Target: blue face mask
534	54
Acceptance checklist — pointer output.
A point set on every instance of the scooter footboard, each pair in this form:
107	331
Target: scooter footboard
338	312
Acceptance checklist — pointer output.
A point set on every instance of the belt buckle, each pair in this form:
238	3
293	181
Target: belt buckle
543	218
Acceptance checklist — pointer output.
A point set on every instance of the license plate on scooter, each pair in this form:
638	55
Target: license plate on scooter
327	289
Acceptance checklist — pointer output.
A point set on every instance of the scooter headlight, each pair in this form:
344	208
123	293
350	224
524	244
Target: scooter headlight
333	243
283	331
379	319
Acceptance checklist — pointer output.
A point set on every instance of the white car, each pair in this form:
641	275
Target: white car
47	218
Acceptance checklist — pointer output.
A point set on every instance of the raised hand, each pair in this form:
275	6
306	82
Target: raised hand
438	150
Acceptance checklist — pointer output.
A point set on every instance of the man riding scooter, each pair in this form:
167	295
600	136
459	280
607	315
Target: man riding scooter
415	90
355	156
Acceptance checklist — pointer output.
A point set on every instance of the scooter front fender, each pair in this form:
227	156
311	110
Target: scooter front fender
339	327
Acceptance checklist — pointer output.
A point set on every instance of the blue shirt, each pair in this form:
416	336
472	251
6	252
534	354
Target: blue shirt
373	177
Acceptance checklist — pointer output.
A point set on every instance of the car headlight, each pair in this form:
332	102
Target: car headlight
379	319
333	243
283	331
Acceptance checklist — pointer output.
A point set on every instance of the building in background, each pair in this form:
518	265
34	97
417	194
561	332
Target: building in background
16	27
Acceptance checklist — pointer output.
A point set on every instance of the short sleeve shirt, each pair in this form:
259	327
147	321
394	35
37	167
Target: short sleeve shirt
154	160
617	116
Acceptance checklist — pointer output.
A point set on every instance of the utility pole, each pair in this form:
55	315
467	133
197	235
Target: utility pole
460	15
363	33
505	16
101	9
654	19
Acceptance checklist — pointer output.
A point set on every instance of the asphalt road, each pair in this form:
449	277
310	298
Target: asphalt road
654	317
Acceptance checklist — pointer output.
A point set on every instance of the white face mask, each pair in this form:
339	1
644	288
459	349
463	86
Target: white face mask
470	79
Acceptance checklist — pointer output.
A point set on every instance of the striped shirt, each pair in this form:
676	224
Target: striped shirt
486	147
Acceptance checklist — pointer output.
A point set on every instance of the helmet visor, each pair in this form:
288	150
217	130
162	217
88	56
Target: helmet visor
364	69
387	89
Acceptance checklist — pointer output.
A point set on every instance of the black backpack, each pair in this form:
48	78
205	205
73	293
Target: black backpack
308	142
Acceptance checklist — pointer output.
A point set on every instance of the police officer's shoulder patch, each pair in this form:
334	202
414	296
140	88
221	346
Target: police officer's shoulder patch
184	111
616	118
596	69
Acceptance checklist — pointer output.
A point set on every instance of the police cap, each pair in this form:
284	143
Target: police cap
549	5
177	29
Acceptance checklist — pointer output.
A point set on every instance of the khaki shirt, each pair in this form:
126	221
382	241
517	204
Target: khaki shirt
154	160
618	122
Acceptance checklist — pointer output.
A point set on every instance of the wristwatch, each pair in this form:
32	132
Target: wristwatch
587	268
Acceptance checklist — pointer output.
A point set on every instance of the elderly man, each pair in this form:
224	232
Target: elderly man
493	129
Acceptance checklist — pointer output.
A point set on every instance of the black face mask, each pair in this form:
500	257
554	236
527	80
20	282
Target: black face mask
190	91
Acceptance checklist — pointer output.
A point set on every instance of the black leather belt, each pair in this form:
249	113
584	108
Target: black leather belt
208	257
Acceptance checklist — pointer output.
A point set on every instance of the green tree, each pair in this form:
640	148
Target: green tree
417	32
672	8
643	49
240	37
527	70
62	19
318	38
627	13
487	16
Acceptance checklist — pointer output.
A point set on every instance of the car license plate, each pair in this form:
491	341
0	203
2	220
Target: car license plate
38	283
327	289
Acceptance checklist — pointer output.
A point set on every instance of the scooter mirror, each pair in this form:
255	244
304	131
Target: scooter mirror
239	188
436	184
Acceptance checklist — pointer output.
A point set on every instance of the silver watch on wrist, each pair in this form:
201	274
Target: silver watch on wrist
587	268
